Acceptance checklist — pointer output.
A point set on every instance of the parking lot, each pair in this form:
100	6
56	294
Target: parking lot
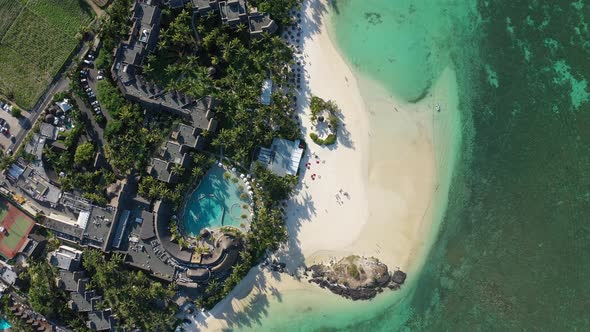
13	128
88	78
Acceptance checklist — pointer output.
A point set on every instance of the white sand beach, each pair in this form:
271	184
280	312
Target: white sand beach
386	162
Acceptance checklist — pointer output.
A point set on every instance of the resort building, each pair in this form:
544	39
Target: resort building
282	158
127	72
33	181
204	6
184	139
73	280
82	223
194	267
258	23
235	12
65	258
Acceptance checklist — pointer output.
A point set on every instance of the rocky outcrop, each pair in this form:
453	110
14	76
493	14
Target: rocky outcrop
355	277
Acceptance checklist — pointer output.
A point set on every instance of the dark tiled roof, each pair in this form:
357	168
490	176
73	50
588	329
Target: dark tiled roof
259	23
233	11
100	320
162	170
72	281
147	226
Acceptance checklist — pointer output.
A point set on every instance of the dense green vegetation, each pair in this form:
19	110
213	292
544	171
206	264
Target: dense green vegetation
129	143
37	38
46	298
114	25
240	64
138	301
84	153
43	295
319	109
76	161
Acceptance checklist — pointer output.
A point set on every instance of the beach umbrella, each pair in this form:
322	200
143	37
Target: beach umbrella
252	204
233	169
219	164
249	176
249	187
251	192
241	176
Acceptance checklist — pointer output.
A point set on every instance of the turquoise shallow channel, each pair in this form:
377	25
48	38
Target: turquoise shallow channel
215	202
512	251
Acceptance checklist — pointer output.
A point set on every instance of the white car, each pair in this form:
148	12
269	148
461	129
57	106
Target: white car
95	103
83	80
99	77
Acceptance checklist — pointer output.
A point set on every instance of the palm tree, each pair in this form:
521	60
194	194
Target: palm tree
197	172
178	169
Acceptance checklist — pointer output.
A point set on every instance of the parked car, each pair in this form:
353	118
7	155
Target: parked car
87	62
95	103
2	122
9	152
83	80
90	56
99	77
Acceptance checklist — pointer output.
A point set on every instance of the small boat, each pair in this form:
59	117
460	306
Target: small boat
437	107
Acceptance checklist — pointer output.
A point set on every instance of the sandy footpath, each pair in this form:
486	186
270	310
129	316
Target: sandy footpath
373	191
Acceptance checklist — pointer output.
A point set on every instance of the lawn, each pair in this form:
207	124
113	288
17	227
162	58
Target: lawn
38	36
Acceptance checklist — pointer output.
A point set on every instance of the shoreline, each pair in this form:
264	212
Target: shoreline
396	166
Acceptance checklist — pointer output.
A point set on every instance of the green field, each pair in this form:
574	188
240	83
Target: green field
37	37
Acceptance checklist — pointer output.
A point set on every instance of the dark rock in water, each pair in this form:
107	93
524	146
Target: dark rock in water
356	278
399	277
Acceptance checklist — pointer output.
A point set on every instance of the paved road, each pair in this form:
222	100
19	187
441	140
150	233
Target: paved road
94	130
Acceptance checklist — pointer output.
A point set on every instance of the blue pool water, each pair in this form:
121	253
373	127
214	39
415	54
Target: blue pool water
216	202
4	325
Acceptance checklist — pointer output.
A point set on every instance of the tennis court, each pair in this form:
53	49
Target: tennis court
16	227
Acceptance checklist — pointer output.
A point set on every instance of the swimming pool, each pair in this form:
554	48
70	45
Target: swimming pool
4	325
216	202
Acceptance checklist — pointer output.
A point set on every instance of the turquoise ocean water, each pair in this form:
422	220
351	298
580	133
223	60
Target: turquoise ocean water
513	249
